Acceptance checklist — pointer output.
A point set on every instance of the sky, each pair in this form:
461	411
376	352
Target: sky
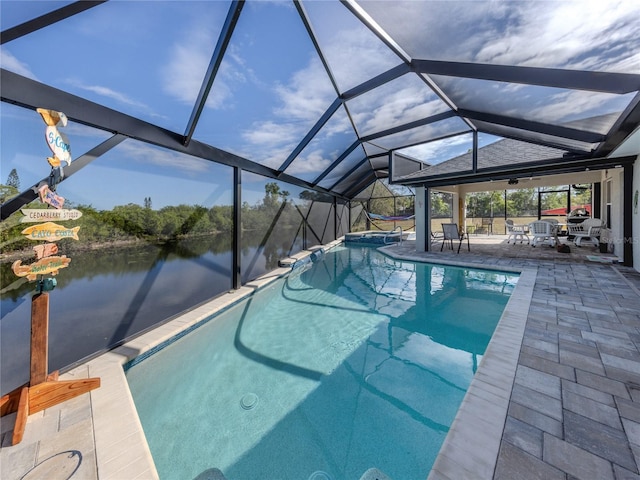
147	59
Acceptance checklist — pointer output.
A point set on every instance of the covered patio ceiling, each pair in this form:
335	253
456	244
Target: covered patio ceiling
320	94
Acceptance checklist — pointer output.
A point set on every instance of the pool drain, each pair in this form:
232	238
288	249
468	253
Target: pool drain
249	401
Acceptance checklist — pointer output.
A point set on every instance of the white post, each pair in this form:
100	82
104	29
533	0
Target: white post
422	224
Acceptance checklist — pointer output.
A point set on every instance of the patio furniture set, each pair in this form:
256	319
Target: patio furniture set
536	233
548	231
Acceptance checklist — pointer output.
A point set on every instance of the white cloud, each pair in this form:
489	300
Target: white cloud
584	34
187	64
393	105
74	130
270	134
571	105
109	93
302	101
313	161
441	150
307	95
356	55
353	52
11	63
188	61
270	142
149	155
273	157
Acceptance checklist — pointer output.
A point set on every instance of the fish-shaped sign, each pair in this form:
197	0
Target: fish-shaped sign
59	144
47	196
57	141
44	266
45	250
41	214
51	232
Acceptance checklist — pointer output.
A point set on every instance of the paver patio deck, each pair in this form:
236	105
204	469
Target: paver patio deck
569	406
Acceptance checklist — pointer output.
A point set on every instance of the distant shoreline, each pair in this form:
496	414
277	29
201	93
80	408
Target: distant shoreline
28	253
70	248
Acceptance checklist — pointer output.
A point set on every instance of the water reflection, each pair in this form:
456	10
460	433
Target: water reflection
108	295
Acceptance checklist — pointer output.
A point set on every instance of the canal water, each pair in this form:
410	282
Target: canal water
108	295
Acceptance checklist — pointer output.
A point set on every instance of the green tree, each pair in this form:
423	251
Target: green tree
522	202
131	219
485	204
405	205
7	192
13	180
12	187
221	218
553	200
273	195
441	205
580	196
151	222
382	206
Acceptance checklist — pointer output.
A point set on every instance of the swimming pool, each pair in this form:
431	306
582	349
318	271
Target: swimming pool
354	362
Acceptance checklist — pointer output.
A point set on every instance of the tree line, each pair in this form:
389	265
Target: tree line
133	222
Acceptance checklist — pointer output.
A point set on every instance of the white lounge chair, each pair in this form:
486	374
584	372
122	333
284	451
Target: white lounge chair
589	229
542	231
516	232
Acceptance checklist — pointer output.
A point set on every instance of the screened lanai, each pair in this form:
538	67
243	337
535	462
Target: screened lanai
266	127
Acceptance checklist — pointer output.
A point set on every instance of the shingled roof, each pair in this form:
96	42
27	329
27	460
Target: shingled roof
498	154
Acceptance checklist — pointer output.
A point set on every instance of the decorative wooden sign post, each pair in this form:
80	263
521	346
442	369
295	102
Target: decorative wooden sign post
44	390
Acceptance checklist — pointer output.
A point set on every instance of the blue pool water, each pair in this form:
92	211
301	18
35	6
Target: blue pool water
354	362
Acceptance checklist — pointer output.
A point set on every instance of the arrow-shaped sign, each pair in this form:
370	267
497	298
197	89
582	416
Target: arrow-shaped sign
48	214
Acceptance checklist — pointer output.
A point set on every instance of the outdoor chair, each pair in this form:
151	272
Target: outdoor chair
542	231
589	229
450	233
486	225
557	227
436	236
516	232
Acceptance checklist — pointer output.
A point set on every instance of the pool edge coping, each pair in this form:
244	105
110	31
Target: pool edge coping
121	444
